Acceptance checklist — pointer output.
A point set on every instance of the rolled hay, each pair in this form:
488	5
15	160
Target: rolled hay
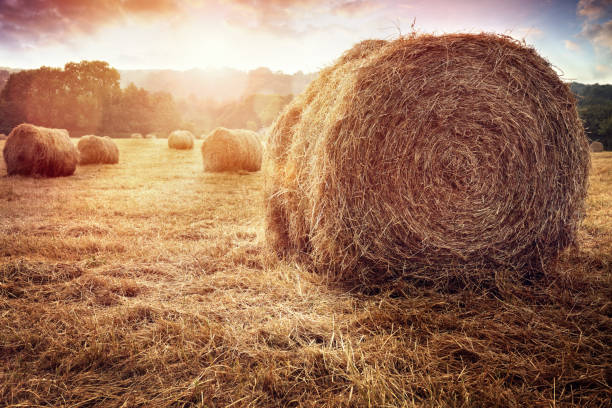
136	136
453	151
97	150
596	147
150	136
3	136
36	150
231	150
181	139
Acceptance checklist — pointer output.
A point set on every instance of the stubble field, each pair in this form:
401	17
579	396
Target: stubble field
147	283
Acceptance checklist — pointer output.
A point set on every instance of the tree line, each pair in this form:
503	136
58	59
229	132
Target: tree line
86	97
595	110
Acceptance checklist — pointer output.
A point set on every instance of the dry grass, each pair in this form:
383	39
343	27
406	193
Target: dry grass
140	285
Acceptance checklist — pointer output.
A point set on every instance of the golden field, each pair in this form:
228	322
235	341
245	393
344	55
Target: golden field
147	284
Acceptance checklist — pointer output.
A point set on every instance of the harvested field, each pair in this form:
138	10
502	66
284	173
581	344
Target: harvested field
140	285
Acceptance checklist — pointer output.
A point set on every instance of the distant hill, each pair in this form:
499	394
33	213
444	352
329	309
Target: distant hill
220	85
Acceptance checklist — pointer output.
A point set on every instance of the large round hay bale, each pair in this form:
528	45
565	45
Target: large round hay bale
439	151
231	150
35	150
181	139
3	136
596	147
150	136
136	136
97	150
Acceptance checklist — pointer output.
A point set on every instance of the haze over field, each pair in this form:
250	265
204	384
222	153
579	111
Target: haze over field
576	36
305	203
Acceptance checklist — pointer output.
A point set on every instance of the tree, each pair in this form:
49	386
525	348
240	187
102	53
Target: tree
85	97
164	114
91	86
14	99
595	110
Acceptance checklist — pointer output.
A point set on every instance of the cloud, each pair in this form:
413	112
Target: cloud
593	9
150	6
287	16
27	21
599	34
357	8
572	46
597	29
597	24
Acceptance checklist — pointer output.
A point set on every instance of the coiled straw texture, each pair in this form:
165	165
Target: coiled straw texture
453	151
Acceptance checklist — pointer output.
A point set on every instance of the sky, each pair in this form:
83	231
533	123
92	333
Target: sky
575	36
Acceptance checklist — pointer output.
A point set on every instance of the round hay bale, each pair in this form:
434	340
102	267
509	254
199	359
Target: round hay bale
97	150
112	147
231	150
200	136
35	150
596	147
150	136
136	136
3	136
460	150
181	139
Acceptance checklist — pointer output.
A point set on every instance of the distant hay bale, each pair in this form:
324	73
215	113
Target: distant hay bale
35	150
136	136
460	150
3	136
112	147
231	150
181	139
596	147
200	136
97	150
150	136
